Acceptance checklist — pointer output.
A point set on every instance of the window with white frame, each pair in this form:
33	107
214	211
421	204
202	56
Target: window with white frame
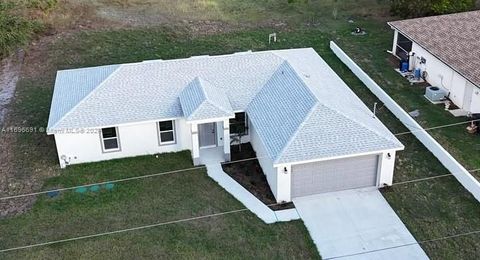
110	140
166	132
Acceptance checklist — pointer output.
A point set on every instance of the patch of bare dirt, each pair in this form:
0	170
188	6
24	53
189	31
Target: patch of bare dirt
10	68
15	177
249	174
11	183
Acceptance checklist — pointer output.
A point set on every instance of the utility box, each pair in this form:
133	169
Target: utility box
435	94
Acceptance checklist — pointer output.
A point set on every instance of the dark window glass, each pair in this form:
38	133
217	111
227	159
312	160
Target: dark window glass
166	126
109	132
239	124
404	46
166	137
240	117
110	144
404	43
167	131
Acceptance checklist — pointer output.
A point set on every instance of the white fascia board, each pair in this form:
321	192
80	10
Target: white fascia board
119	125
337	157
209	120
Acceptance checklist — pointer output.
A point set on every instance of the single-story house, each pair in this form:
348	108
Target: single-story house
447	48
311	133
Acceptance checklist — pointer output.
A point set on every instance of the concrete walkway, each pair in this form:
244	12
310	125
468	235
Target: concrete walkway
257	207
212	158
356	224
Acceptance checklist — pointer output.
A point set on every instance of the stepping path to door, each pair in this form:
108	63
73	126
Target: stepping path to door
257	207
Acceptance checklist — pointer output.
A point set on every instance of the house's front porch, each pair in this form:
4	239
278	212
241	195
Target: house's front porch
212	155
210	141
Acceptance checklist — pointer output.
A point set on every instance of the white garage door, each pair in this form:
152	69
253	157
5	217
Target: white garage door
334	175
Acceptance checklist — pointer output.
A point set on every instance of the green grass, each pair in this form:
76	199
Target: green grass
148	201
246	11
370	53
429	209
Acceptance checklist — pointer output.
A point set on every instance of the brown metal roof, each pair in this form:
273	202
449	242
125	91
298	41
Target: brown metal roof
453	38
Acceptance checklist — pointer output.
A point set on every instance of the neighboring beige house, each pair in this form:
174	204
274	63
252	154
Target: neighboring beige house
311	133
447	47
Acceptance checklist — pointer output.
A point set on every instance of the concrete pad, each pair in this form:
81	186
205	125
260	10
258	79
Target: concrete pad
356	224
212	155
287	215
458	112
251	202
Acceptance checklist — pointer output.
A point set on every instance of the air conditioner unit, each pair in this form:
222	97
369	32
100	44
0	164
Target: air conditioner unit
435	94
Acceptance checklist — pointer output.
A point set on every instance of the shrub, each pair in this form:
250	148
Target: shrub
409	8
14	31
15	28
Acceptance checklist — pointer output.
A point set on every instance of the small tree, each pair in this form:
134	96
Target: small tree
239	130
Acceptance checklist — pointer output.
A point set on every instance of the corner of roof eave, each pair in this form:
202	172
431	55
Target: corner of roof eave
401	147
277	162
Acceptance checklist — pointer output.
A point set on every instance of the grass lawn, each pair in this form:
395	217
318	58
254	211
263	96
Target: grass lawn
430	209
370	53
142	202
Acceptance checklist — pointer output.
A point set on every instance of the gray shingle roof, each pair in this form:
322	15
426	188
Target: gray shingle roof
75	85
150	90
201	100
279	108
297	104
314	140
332	115
453	38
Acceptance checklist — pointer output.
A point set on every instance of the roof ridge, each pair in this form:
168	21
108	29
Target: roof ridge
436	16
360	122
197	78
217	106
203	84
92	67
277	161
207	95
88	95
362	125
292	137
305	85
270	77
248	52
336	110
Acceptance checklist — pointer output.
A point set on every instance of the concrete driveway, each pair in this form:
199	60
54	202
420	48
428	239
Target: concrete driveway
356	224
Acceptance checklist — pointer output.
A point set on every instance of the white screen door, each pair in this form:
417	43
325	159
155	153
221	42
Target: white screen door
207	135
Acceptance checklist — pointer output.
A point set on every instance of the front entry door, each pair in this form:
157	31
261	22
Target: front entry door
207	135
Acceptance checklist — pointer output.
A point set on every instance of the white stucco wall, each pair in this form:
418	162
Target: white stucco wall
461	174
386	168
265	162
280	180
135	140
284	183
464	94
475	106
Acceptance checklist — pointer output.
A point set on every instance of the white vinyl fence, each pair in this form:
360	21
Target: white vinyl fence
462	175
